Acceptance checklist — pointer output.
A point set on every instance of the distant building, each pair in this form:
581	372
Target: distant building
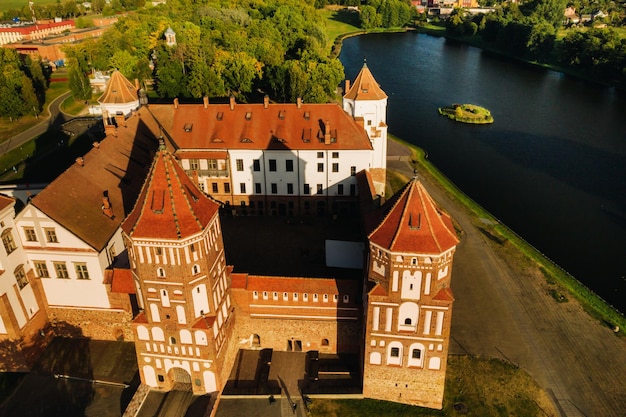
127	244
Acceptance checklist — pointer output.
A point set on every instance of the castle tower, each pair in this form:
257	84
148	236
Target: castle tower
409	301
366	102
170	37
176	254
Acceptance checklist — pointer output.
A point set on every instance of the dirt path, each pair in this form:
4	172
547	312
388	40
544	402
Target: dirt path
503	309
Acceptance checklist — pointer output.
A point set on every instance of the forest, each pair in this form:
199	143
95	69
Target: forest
23	84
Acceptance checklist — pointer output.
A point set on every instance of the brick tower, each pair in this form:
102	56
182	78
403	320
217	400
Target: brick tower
409	301
176	254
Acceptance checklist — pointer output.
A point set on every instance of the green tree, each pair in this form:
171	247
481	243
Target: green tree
78	82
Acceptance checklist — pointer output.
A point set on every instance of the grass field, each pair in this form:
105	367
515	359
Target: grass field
474	386
18	4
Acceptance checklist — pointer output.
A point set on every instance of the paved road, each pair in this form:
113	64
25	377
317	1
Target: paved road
56	118
504	310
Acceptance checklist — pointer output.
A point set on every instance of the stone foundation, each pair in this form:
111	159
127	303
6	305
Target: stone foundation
94	324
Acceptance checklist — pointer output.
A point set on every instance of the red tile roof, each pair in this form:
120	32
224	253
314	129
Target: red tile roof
118	90
117	166
238	280
170	205
123	281
378	290
141	318
193	127
365	87
301	285
5	201
204	322
414	224
445	294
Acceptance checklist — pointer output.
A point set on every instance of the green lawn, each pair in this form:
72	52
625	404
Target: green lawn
18	4
339	22
474	386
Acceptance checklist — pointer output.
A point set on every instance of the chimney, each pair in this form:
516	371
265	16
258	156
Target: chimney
106	205
299	102
232	102
327	132
96	145
176	103
136	84
347	86
80	161
205	100
266	101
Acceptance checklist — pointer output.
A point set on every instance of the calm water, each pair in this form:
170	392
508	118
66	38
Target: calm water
552	166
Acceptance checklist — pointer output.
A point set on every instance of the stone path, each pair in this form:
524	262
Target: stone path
504	310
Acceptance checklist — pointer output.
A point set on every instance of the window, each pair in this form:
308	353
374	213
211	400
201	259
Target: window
285	296
242	187
20	276
192	248
307	189
51	235
239	164
408	321
29	232
214	187
265	295
274	188
256	165
201	186
272	165
395	352
81	271
320	167
353	171
325	298
289	188
325	342
42	269
320	189
112	251
7	240
158	250
335	167
416	354
257	187
275	296
61	270
305	297
255	295
227	188
346	298
335	155
352	190
335	298
289	165
194	164
315	298
160	272
340	189
320	154
212	163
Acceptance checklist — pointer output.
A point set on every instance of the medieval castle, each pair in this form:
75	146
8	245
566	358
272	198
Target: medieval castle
127	244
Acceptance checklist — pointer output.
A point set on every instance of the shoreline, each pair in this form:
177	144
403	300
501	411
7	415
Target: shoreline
558	278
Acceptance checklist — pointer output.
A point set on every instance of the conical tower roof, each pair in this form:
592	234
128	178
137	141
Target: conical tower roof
365	87
414	224
118	90
170	205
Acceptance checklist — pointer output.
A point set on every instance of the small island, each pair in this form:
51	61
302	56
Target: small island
467	113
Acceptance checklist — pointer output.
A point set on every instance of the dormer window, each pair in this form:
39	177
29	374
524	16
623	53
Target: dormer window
188	127
307	115
281	115
248	115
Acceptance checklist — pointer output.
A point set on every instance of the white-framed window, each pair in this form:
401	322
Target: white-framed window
346	298
305	297
42	269
394	353
29	233
285	296
81	270
315	298
265	297
7	240
295	296
61	270
20	276
335	298
325	298
275	295
255	295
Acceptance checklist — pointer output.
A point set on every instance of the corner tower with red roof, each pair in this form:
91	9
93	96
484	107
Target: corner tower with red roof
176	253
366	102
409	301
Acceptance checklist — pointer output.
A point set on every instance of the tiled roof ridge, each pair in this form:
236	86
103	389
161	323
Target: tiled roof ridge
373	90
144	189
405	210
440	215
171	194
193	212
400	195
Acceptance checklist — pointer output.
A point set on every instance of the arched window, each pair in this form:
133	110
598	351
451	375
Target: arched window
172	340
142	333
325	342
407	317
196	269
157	334
434	363
394	353
416	355
407	321
160	272
375	358
185	337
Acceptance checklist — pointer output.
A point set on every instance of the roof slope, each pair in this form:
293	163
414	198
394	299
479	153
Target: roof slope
414	224
277	126
117	166
170	205
365	87
118	90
